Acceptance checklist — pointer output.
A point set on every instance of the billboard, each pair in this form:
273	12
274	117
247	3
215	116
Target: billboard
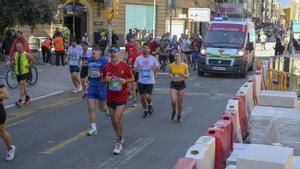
199	14
231	9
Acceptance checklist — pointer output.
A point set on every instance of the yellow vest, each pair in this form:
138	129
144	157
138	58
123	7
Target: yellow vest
22	63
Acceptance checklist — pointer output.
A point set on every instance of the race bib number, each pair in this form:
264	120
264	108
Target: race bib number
115	84
177	75
94	72
146	73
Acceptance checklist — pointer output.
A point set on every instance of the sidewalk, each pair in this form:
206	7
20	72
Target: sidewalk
52	80
265	53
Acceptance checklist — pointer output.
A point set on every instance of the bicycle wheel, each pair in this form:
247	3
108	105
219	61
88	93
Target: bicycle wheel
34	76
11	79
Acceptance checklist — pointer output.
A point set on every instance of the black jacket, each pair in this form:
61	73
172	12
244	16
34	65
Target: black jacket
6	44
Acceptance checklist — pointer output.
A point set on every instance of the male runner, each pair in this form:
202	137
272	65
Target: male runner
96	90
147	66
86	54
118	75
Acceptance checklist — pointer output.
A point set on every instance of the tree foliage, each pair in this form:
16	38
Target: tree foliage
25	12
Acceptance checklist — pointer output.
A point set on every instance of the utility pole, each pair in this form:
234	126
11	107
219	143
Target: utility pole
109	26
74	35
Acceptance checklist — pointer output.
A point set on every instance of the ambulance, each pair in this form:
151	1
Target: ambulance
229	48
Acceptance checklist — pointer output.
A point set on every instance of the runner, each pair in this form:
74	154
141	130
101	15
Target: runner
196	47
152	44
19	39
147	66
118	75
163	52
86	54
131	61
73	57
185	48
129	47
178	74
22	61
174	47
96	90
10	151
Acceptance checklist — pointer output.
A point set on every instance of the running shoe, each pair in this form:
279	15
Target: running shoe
134	103
150	109
79	89
119	147
108	115
173	115
10	155
179	119
146	114
75	91
84	96
91	132
19	103
27	100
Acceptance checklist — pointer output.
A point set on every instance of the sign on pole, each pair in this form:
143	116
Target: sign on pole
199	14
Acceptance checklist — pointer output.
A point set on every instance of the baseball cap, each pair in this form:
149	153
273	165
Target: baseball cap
114	49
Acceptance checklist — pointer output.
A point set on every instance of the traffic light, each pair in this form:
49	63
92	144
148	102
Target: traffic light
115	6
109	13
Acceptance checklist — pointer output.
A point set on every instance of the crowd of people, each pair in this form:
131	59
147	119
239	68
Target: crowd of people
109	82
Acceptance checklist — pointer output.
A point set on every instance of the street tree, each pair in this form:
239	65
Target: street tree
25	12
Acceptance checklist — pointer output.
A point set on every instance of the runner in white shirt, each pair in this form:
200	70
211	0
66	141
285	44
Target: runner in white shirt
73	57
185	48
147	66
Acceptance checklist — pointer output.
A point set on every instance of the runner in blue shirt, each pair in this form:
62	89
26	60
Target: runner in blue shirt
96	90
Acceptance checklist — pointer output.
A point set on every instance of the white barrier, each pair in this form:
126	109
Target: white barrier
234	104
247	89
231	167
258	79
203	151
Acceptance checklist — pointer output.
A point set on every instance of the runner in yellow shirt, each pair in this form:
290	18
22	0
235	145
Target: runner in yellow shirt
179	71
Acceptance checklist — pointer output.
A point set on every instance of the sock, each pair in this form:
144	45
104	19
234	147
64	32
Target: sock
145	109
93	125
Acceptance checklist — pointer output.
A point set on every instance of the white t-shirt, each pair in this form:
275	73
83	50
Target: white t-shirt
145	66
74	53
85	57
263	38
186	45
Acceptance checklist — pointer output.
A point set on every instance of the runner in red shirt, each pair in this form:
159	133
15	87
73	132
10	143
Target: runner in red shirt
118	75
153	45
130	61
129	47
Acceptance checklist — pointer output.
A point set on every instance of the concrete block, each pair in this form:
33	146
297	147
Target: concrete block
237	150
296	162
231	167
278	99
202	155
265	157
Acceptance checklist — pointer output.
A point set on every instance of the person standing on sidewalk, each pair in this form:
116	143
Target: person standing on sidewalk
23	62
6	46
97	90
10	149
147	66
179	71
59	47
117	74
73	56
46	51
85	56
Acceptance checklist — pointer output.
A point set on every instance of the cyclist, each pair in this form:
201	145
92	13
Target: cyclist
73	56
163	52
22	61
147	66
96	90
10	152
86	54
118	75
178	74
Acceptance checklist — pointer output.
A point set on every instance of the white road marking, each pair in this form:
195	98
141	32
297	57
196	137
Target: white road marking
117	161
18	122
187	112
38	98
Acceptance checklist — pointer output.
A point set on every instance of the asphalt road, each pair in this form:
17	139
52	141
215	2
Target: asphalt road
50	133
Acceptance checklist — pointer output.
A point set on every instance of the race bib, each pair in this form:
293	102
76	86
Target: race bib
93	72
115	84
74	60
146	73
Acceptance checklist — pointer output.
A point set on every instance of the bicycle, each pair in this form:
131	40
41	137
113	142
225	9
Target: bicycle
11	77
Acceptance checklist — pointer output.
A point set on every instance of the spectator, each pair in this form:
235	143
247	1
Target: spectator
115	39
85	38
57	32
279	48
6	45
59	46
130	34
19	39
97	37
46	50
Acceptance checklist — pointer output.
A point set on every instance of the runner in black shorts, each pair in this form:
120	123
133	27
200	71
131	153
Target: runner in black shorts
10	152
86	53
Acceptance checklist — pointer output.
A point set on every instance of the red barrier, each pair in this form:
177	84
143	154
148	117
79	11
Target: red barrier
231	115
241	98
223	136
252	79
186	163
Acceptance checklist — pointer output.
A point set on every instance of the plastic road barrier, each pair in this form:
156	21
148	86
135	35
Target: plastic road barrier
227	127
252	79
243	116
247	90
232	115
223	143
186	163
210	143
201	155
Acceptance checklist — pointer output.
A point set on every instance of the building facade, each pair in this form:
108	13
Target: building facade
150	15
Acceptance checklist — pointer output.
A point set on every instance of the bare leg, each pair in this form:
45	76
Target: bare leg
117	115
5	136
